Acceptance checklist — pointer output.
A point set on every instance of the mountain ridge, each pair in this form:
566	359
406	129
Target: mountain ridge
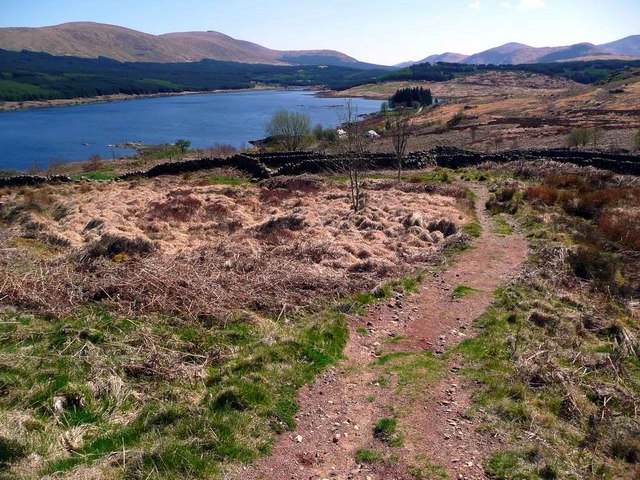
514	53
94	40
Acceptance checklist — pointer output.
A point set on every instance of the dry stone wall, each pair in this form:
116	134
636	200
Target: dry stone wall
265	165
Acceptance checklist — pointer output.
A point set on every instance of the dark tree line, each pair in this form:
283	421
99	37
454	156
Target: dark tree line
409	97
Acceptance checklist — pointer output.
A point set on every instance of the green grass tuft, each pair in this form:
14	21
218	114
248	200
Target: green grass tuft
462	291
385	429
367	456
97	176
473	229
501	226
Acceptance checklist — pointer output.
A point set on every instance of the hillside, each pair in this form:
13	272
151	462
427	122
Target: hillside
41	76
626	46
92	40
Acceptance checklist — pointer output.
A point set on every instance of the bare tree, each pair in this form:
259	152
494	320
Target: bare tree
400	130
291	129
355	139
352	148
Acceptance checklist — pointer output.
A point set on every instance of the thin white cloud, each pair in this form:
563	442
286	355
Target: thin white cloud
475	5
507	5
531	4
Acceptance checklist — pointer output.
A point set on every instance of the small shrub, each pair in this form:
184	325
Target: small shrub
443	225
110	246
542	319
548	472
506	194
626	448
60	210
541	194
93	164
567	181
287	222
455	120
120	257
621	227
504	200
589	263
588	204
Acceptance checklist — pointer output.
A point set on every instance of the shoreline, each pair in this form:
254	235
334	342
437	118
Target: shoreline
120	97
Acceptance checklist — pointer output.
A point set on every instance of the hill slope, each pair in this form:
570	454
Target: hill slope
626	46
92	40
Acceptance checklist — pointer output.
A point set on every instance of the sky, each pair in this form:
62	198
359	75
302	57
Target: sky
377	31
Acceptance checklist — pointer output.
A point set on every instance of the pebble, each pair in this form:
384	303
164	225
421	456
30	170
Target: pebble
298	438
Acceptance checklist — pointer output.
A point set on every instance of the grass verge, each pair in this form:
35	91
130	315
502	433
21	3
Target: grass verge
155	397
97	176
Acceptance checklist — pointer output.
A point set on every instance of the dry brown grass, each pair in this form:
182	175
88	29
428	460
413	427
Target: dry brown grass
207	251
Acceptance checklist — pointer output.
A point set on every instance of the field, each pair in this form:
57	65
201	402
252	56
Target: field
497	111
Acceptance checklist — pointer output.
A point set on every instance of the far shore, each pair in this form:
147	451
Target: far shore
65	102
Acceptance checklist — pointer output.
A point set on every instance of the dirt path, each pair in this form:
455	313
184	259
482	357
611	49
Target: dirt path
339	411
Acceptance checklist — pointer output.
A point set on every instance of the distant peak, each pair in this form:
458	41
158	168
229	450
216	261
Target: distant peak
514	45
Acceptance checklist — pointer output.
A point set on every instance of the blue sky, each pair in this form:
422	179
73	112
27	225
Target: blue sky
378	31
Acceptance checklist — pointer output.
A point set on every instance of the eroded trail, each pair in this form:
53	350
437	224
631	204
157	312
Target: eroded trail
388	373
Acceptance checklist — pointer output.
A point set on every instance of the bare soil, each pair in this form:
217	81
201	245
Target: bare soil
339	411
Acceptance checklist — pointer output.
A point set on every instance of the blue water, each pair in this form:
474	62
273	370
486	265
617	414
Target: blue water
37	137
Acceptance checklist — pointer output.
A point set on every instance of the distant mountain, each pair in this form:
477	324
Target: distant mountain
626	46
518	53
510	54
93	40
405	64
572	52
448	57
